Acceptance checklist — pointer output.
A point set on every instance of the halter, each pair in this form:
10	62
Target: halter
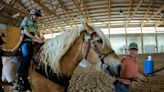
100	55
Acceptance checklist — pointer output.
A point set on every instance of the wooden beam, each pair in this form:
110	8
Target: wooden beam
86	12
136	9
109	16
46	9
156	39
129	11
12	8
66	12
142	43
79	9
21	4
148	9
109	11
1	6
159	10
159	23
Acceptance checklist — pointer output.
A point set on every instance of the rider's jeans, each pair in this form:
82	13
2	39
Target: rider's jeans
24	63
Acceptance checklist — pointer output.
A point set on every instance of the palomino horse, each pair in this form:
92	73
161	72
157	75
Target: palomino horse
58	58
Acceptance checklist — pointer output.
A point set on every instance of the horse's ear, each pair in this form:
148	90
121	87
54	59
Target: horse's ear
87	27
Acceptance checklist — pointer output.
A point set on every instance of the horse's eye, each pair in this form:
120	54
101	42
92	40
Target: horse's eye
99	41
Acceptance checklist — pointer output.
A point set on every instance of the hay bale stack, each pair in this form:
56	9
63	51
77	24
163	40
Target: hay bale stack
90	81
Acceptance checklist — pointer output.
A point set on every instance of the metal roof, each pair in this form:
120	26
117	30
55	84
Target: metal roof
101	13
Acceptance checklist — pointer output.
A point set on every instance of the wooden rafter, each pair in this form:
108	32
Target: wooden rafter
136	9
46	9
65	10
86	11
109	11
148	9
1	6
53	19
160	21
21	4
78	7
12	8
155	14
129	11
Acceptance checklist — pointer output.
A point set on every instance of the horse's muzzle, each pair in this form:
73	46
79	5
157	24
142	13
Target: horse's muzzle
110	71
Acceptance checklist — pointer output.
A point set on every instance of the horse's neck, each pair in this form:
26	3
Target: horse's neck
72	57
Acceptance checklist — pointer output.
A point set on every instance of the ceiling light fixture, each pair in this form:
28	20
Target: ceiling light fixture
162	13
121	12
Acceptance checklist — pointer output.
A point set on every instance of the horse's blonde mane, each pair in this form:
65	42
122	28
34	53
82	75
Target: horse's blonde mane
52	51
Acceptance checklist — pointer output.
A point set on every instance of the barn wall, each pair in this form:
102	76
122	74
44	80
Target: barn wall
13	35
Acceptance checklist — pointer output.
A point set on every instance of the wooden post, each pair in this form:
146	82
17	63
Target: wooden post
142	41
156	39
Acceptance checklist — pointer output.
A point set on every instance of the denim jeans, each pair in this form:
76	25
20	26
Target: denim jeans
24	63
120	87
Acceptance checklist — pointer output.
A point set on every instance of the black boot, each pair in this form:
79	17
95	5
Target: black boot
1	89
21	84
27	84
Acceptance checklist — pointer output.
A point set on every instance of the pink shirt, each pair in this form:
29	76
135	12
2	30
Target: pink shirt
130	69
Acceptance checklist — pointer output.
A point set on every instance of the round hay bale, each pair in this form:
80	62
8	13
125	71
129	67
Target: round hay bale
90	81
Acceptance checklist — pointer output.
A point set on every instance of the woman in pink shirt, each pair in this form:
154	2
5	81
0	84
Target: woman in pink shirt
129	71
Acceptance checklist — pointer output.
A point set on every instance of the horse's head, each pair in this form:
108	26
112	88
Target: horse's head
96	48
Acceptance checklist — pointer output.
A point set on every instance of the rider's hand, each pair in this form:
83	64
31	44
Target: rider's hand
38	41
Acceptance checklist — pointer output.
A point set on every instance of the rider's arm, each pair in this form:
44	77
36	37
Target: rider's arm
27	33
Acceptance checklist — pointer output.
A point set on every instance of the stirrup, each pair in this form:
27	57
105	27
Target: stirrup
19	88
19	85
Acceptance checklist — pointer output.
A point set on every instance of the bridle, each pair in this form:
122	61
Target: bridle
101	55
